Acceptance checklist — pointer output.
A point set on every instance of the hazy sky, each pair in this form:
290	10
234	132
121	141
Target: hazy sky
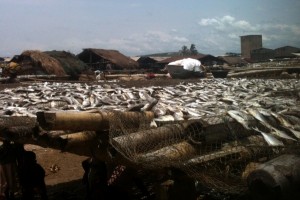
136	27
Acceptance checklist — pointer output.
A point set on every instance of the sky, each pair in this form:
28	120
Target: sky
139	27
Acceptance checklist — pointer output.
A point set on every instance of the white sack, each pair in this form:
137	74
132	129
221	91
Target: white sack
188	64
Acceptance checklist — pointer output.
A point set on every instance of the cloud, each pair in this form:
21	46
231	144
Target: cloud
227	22
225	32
135	44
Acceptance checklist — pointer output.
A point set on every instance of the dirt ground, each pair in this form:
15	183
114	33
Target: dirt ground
63	172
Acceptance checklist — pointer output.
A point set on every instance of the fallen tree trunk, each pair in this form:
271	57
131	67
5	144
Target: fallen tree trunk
76	121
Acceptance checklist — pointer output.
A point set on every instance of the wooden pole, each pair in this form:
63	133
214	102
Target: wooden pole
223	128
167	156
153	139
276	179
76	121
245	148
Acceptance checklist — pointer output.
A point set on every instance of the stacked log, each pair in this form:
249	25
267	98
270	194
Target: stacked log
182	144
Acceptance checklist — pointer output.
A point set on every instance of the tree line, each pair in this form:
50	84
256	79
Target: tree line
188	51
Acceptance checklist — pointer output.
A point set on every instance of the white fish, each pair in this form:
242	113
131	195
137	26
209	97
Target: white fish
192	112
142	95
287	124
178	115
75	101
67	99
153	124
130	95
257	115
148	106
159	110
165	118
86	102
238	117
272	141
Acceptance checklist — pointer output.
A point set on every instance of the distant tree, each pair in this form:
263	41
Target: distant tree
193	49
188	51
184	50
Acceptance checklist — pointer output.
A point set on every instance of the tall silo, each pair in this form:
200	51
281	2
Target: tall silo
249	43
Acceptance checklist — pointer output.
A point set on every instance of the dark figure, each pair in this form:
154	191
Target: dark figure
32	177
8	171
123	179
95	179
86	167
183	187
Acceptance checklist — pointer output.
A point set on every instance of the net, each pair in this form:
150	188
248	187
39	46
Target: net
216	151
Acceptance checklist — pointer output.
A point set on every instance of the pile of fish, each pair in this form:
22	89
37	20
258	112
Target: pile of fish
241	99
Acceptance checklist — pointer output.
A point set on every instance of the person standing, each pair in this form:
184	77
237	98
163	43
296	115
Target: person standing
32	177
8	171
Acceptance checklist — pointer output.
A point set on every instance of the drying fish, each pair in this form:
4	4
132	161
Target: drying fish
287	124
159	111
185	100
148	106
165	118
86	102
192	112
257	115
238	117
272	141
178	115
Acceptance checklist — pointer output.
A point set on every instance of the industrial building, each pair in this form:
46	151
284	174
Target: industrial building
262	55
249	43
286	52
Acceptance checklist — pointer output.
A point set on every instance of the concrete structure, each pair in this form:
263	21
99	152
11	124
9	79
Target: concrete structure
262	55
286	52
249	43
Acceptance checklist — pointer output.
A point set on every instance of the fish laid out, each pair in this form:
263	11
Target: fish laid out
241	99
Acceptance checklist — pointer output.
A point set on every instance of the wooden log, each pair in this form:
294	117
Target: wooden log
167	156
31	135
186	154
86	143
241	150
6	122
115	76
20	134
216	155
76	121
152	139
83	139
218	129
276	179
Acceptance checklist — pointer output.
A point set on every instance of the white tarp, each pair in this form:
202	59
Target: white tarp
188	64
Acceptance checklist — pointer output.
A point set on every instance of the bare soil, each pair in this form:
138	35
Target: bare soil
63	172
